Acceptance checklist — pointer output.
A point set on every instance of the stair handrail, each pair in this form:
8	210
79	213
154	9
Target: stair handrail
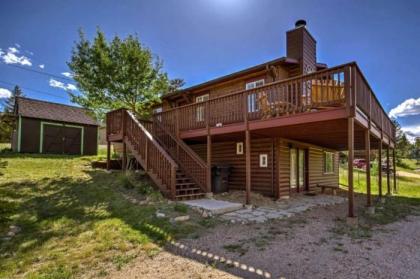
189	152
183	145
152	139
163	178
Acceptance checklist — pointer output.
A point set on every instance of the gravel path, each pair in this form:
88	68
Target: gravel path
303	246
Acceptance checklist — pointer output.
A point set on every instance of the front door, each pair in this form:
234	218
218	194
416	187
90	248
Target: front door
298	170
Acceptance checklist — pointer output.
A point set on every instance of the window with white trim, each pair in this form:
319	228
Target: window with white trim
252	98
239	148
263	160
200	109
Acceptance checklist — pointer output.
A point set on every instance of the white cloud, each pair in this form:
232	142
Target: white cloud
5	93
71	87
59	84
13	50
67	74
11	57
411	132
408	107
17	45
42	66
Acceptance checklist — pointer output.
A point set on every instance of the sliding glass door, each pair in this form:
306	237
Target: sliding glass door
298	169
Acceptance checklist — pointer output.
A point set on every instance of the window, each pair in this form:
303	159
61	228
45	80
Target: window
239	148
263	160
252	98
293	168
157	110
328	162
200	109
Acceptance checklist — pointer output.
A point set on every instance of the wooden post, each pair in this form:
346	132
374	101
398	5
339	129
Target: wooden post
208	173
350	143
208	163
367	154
108	155
124	158
146	156
395	169
247	152
248	166
380	167
388	184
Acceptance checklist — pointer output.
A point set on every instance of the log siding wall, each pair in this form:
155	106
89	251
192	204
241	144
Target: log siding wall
273	180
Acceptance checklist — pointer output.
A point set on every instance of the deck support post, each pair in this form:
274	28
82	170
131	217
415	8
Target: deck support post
248	166
108	155
395	169
350	143
124	158
380	168
388	184
208	171
208	178
367	154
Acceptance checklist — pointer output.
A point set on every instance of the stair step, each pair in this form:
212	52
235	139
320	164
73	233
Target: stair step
188	191
185	185
189	196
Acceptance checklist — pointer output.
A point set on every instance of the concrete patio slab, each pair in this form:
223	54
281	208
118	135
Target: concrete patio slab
283	209
214	207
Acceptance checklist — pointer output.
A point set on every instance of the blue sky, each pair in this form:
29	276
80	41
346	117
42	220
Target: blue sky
202	39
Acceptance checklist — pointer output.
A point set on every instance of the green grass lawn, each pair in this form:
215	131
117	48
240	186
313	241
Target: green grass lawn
406	186
404	202
76	221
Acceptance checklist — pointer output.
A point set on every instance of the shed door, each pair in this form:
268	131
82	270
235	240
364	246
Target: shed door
61	140
72	140
53	140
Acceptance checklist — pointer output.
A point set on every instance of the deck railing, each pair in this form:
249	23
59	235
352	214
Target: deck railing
154	159
341	86
193	165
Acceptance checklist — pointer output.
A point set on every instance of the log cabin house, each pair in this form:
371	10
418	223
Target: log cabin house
278	125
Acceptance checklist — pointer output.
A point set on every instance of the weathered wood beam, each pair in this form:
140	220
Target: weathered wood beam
380	168
108	155
248	166
124	158
209	155
395	170
367	154
388	184
350	139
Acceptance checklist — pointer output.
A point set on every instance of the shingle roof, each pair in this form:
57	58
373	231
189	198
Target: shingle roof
52	111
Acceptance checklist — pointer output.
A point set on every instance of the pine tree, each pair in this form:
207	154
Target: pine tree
7	119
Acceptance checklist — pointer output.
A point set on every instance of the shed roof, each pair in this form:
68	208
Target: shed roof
27	107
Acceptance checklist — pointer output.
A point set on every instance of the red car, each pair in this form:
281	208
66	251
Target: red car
359	163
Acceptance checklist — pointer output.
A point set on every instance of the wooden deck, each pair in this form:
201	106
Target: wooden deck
336	93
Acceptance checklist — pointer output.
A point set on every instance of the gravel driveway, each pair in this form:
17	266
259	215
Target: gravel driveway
309	245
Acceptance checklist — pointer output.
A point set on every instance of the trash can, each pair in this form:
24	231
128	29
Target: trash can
220	178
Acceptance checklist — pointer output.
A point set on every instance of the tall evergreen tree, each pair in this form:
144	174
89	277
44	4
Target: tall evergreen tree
8	120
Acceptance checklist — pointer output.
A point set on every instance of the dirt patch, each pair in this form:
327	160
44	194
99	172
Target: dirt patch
408	174
309	245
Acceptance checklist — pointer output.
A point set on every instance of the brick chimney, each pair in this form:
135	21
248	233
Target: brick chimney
302	47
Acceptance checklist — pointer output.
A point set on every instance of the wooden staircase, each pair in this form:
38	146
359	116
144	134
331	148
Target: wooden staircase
178	172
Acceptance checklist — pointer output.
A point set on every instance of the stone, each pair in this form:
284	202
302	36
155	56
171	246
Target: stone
160	215
209	195
370	210
352	221
215	207
182	218
248	206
